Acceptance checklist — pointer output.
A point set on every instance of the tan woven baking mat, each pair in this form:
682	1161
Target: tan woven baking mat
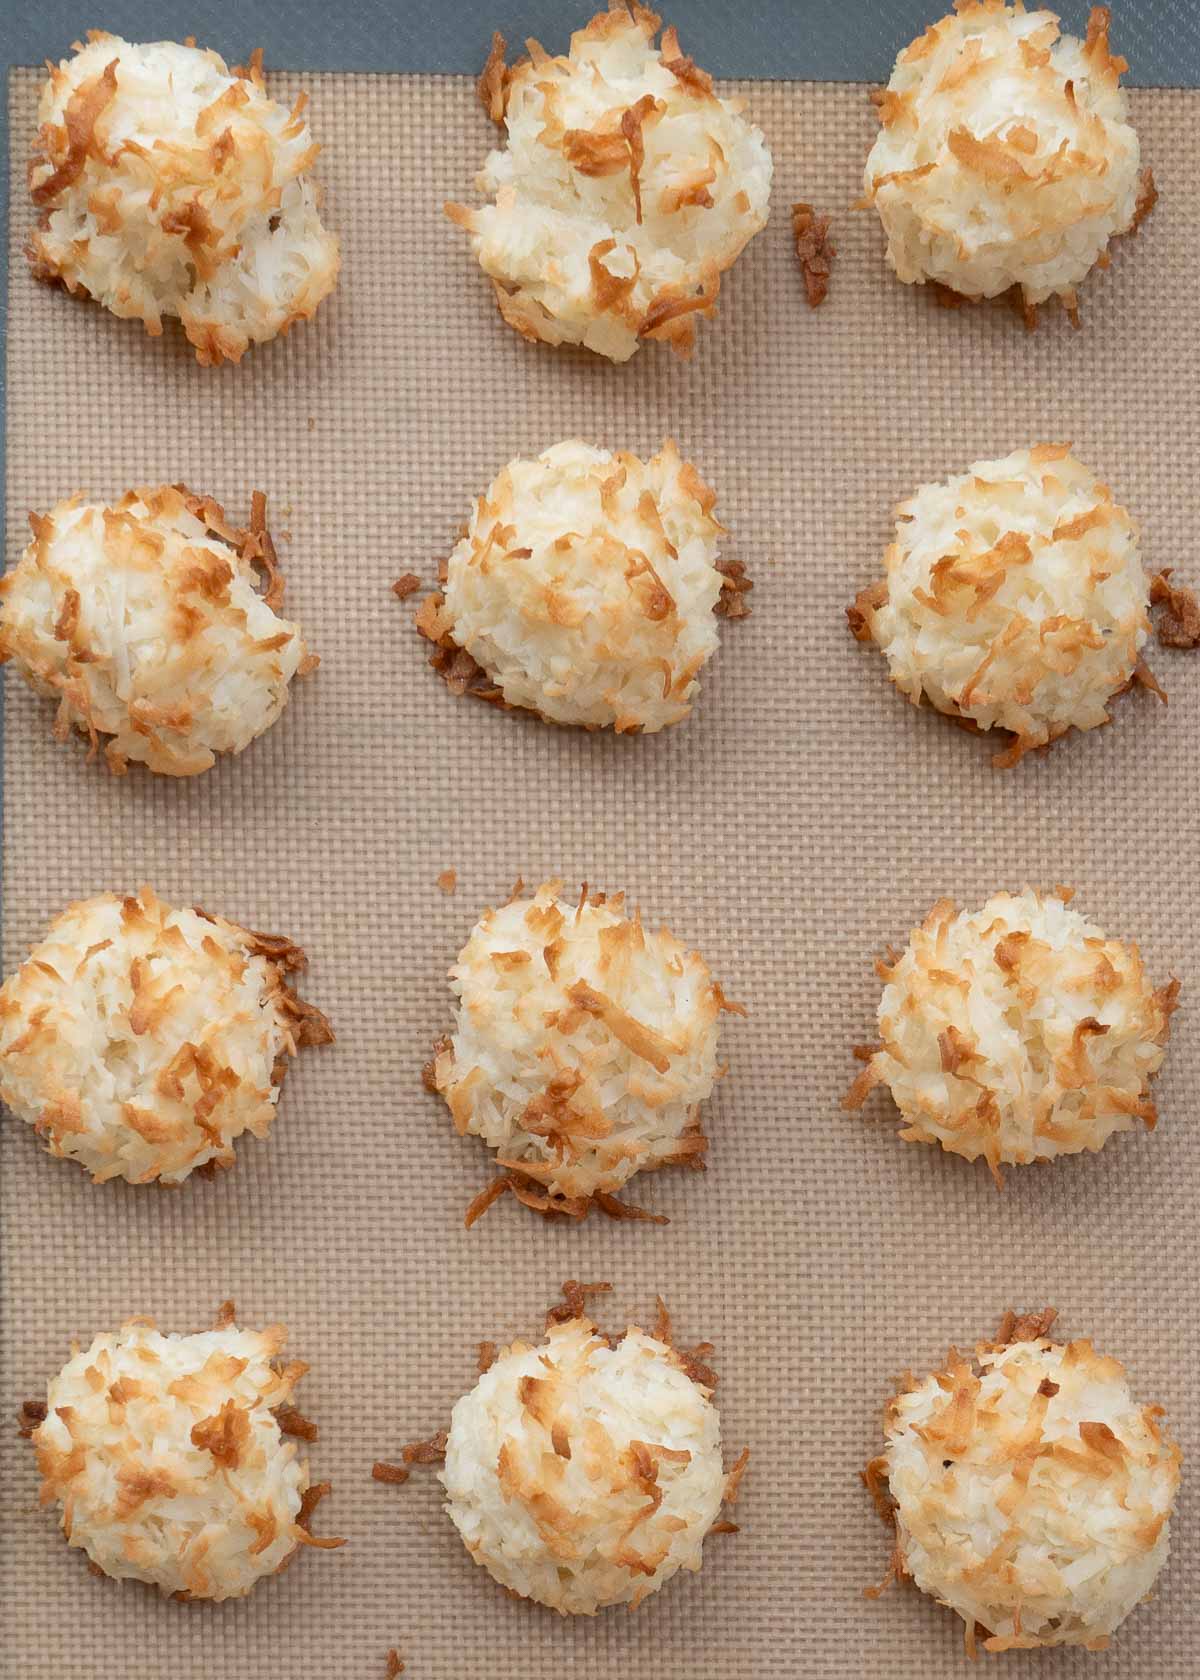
804	817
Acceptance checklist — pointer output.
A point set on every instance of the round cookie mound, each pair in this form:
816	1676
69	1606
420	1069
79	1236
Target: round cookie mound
166	1456
583	1048
145	622
1030	1493
626	188
1014	598
582	1474
172	185
1018	1032
586	587
1005	158
142	1041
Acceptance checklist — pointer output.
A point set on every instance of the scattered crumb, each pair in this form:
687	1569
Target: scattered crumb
394	1665
448	881
395	1474
312	424
406	585
1179	621
814	251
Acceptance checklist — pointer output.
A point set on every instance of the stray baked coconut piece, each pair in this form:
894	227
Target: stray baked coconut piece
142	1041
147	623
1028	1490
1006	160
586	588
625	190
1017	1032
586	1471
582	1050
169	1459
1014	599
171	185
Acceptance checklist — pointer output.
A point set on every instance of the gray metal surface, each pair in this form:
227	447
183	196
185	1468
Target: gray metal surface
819	40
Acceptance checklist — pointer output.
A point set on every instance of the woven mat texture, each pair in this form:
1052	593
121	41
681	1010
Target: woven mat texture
801	820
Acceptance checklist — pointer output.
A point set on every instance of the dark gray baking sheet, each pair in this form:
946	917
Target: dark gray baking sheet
804	40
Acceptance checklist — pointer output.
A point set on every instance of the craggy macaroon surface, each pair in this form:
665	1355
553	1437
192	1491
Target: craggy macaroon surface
801	819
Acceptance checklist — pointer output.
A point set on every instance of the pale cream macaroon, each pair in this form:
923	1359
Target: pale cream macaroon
587	588
1018	1032
626	188
586	1470
171	1461
150	624
1027	1489
1006	160
171	185
583	1047
142	1040
1014	598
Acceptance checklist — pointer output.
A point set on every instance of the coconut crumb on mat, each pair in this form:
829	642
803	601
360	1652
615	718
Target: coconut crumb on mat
1179	618
815	252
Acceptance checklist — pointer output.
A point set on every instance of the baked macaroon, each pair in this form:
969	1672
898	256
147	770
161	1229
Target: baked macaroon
170	1458
154	623
142	1041
170	185
625	190
585	1471
1006	161
586	588
1028	1491
1014	598
1018	1032
582	1050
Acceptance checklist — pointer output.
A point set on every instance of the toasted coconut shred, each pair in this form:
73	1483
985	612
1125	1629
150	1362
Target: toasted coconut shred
583	1048
1005	158
166	1459
586	588
1014	598
1018	1033
1029	1492
586	1472
142	1041
171	185
625	189
150	624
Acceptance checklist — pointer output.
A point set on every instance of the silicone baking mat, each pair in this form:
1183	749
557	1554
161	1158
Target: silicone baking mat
801	820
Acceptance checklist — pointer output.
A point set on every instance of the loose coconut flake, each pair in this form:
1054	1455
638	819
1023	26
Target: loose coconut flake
153	623
1005	159
1027	1490
167	1460
142	1041
583	1048
171	185
1018	1033
625	189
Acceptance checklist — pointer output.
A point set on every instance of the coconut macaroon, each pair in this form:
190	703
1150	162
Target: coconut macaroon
142	1041
1014	598
586	589
585	1471
171	185
582	1050
147	623
1018	1032
1006	159
625	189
1028	1490
169	1459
